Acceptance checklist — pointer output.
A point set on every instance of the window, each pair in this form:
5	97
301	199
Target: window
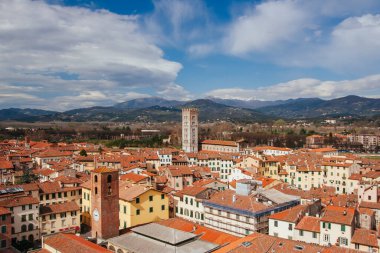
275	234
30	207
63	215
52	216
329	225
163	207
343	241
3	229
137	200
13	230
23	208
59	194
290	227
47	196
314	235
109	179
326	238
30	227
53	195
74	213
23	228
151	209
276	223
3	243
96	178
96	190
162	196
150	198
30	216
125	209
23	217
343	228
301	232
137	211
65	194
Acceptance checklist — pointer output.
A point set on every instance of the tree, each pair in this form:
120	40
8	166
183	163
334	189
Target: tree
83	152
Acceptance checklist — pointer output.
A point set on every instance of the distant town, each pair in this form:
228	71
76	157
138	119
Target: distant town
139	191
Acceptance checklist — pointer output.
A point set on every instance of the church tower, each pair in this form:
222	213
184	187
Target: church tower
104	203
190	129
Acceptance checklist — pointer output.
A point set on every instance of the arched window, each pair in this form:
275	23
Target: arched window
23	228
96	190
31	238
30	227
111	248
109	179
96	178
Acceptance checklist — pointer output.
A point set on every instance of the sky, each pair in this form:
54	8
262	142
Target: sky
65	54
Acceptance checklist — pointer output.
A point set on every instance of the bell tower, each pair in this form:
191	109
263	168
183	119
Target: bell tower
104	203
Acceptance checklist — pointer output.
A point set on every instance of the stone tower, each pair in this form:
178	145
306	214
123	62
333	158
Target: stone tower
190	129
104	203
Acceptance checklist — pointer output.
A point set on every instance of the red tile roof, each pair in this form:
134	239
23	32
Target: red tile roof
309	223
220	143
19	201
69	243
206	234
293	214
59	208
103	170
338	214
4	211
133	177
365	237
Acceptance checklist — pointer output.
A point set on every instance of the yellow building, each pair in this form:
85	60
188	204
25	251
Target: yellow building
86	203
139	205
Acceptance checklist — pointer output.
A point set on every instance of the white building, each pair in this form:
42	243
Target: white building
188	203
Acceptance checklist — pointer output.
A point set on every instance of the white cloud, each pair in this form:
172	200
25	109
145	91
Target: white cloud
175	92
342	36
75	52
305	88
266	25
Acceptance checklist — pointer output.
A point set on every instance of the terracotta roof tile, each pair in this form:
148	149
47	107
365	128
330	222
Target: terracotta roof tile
365	237
69	243
59	208
309	223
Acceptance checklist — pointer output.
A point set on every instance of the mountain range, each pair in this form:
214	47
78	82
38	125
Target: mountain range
156	109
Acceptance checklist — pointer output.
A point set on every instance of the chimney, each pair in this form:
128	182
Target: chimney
344	212
233	198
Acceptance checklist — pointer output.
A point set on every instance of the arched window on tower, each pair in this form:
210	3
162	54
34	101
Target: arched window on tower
96	178
109	179
96	190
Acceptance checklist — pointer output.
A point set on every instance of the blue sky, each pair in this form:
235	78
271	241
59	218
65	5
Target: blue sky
80	53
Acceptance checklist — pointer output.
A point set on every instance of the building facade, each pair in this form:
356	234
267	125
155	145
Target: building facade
190	129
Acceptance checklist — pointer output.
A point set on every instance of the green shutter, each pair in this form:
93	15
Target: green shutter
342	228
329	225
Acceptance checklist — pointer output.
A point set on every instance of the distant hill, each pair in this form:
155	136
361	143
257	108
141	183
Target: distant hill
250	104
23	114
212	111
160	110
147	102
209	111
315	108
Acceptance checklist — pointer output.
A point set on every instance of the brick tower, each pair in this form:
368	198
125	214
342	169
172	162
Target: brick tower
104	203
190	129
